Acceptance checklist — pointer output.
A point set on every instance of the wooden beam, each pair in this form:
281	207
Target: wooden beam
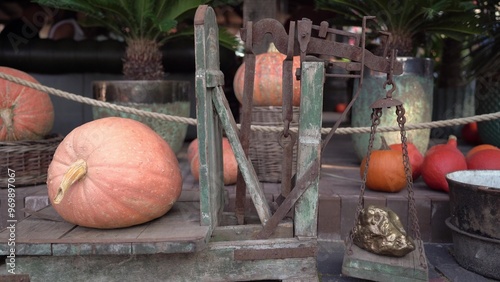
309	145
208	128
245	166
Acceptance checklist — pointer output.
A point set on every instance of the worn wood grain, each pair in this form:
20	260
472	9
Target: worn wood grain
177	231
309	145
209	130
366	265
244	164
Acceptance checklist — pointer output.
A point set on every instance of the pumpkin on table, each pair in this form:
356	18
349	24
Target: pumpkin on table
268	80
386	171
416	158
112	173
25	113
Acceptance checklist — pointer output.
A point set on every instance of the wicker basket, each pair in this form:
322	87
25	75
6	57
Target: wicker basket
265	152
29	159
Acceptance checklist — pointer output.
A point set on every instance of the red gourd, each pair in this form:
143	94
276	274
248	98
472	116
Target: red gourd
478	148
440	160
488	159
268	80
386	172
25	113
112	173
470	134
230	165
416	158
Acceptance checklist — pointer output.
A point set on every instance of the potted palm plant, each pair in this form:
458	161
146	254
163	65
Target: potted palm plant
145	25
414	27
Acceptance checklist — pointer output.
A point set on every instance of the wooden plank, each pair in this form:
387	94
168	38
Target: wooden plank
366	265
209	131
244	164
215	263
249	231
177	231
309	145
398	203
349	204
329	213
440	212
34	230
378	201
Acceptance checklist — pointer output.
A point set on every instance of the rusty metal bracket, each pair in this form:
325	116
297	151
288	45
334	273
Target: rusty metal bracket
301	41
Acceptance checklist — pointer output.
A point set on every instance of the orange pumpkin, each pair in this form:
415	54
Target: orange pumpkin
25	113
386	172
111	173
416	158
470	134
268	81
440	160
230	165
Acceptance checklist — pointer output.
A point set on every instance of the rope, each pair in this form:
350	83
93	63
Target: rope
191	121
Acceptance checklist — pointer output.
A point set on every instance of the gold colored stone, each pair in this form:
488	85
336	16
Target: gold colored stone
379	230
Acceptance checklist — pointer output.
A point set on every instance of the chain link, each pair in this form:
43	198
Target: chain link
400	112
375	116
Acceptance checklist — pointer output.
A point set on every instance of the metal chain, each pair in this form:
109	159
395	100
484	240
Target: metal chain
400	112
375	116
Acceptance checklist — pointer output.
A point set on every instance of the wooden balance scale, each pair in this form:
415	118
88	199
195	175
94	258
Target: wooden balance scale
196	240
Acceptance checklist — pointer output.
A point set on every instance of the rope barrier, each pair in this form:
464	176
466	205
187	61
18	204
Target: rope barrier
191	121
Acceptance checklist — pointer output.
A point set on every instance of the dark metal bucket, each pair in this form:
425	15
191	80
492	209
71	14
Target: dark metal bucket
476	253
475	201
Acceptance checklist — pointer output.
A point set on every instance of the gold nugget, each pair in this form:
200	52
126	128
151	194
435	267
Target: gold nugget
378	230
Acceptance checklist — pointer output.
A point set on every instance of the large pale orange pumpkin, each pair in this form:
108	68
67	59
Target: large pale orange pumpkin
268	81
25	113
113	172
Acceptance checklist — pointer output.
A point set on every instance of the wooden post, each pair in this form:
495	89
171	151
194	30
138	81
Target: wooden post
209	131
309	150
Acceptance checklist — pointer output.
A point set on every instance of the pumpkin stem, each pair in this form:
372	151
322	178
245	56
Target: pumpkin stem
6	115
272	48
384	145
75	172
452	140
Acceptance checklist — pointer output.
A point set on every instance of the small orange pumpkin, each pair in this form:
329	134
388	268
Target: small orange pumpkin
112	173
416	158
268	81
386	171
25	113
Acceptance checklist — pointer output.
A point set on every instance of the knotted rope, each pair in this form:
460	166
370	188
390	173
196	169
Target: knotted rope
191	121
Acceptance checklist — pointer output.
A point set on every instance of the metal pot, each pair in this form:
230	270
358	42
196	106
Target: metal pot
475	201
169	97
476	253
